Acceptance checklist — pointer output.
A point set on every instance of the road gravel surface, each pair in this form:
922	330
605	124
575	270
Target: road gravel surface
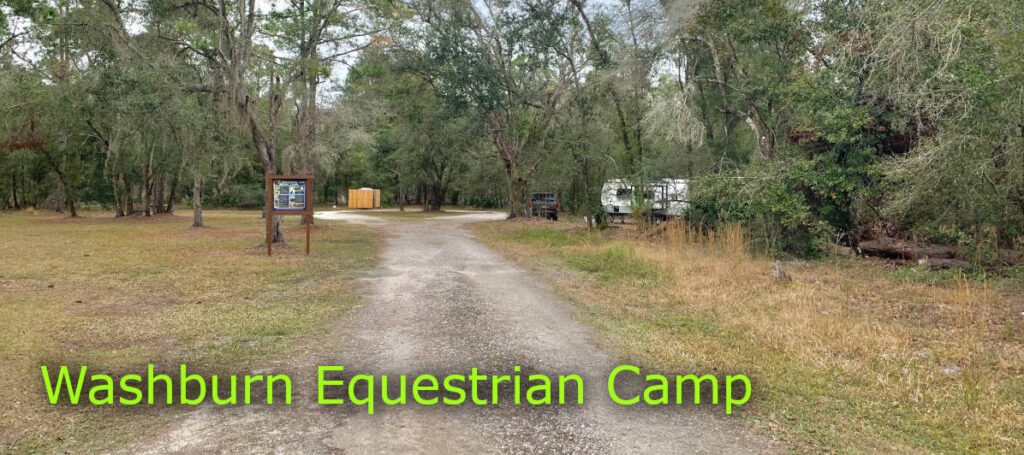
441	302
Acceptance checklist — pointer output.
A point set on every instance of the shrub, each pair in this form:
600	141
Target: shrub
796	207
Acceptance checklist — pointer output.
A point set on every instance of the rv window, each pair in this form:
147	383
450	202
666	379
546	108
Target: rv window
624	192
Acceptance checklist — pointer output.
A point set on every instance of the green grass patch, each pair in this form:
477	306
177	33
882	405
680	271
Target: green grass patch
935	277
546	236
615	262
1011	278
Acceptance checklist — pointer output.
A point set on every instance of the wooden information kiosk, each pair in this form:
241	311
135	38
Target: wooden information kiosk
289	195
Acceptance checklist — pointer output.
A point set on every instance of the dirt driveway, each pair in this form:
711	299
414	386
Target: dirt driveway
442	303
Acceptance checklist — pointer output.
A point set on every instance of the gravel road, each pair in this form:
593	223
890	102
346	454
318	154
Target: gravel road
442	303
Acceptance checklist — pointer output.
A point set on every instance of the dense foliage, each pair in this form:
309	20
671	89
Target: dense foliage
810	121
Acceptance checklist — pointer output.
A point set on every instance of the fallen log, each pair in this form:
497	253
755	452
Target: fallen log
905	249
942	256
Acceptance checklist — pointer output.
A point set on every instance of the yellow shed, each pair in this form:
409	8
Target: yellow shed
363	198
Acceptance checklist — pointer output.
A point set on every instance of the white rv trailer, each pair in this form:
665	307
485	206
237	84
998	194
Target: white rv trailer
667	197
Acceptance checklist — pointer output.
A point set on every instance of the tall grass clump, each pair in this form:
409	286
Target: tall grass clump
726	242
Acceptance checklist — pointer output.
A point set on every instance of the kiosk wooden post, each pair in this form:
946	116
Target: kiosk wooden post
289	195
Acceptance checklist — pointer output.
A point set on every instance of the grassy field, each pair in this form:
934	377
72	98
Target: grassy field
849	357
116	294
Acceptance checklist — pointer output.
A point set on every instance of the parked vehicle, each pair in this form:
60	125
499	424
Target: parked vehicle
666	197
544	204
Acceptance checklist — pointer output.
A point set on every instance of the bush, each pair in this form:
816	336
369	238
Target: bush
796	207
598	216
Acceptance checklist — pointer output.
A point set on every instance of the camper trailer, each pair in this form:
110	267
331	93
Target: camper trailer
667	197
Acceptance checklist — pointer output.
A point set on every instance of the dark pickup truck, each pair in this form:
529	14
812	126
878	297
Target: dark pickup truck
544	204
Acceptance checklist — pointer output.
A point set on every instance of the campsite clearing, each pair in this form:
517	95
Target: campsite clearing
120	293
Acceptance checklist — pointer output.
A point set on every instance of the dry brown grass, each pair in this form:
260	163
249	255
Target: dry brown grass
116	294
845	358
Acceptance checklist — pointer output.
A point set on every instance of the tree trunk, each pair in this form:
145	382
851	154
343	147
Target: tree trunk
508	152
436	197
129	203
265	148
113	148
516	191
603	60
58	205
147	201
401	195
158	195
147	182
24	193
197	197
64	196
14	190
232	63
172	193
63	190
118	198
763	134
